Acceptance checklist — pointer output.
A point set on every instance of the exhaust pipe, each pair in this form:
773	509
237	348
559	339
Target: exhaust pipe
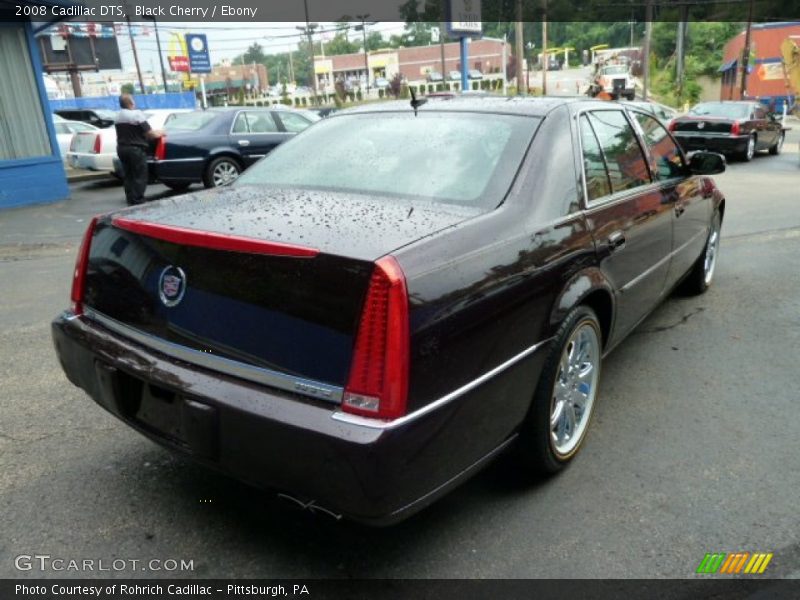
310	506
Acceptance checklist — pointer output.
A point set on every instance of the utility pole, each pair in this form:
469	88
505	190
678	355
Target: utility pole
680	48
363	18
441	46
545	58
648	33
519	51
632	23
135	55
160	57
309	30
746	52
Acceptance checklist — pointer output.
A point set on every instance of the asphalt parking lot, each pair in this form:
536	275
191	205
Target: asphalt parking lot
693	448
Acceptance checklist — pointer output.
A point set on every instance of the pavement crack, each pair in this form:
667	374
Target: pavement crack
681	321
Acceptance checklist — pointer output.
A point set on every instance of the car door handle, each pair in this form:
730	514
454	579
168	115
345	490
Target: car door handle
244	142
616	241
680	208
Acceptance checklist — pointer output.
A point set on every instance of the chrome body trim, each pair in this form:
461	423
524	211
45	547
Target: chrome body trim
437	404
167	160
282	381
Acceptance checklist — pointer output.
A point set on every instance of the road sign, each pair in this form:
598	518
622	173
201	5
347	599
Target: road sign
464	17
197	47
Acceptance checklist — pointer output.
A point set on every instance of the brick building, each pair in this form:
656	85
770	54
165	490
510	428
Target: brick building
765	78
230	79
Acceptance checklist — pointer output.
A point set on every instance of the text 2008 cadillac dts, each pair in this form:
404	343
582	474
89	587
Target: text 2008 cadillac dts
383	304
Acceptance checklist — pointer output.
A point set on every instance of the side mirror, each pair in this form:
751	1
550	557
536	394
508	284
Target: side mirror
706	163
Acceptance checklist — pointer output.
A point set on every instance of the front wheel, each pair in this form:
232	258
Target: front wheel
777	146
564	399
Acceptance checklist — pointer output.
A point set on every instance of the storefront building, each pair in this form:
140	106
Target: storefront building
31	170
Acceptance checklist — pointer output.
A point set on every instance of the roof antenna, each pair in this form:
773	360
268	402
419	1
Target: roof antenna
415	104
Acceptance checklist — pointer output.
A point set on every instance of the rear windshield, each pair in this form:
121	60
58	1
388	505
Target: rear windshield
191	121
105	114
468	159
726	110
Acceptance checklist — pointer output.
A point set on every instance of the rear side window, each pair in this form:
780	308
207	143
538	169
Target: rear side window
293	123
667	161
597	184
623	156
190	121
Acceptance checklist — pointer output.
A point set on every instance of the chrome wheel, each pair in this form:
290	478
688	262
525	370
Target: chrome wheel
224	173
574	390
712	249
751	147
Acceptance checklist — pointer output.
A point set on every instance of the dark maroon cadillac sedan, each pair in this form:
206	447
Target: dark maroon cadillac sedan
386	302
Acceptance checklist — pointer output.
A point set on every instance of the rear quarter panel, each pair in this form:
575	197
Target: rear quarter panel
484	291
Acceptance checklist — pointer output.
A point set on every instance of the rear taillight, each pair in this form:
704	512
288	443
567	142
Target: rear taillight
98	144
671	125
72	142
378	382
735	128
161	148
81	265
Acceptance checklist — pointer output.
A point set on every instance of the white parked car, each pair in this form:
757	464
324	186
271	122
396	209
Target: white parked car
97	150
66	130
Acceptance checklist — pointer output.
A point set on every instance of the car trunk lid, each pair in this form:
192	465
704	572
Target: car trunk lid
703	125
236	276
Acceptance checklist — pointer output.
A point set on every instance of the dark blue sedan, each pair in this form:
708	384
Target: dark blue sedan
215	145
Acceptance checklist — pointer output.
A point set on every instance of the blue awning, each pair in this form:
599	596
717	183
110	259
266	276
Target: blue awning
731	64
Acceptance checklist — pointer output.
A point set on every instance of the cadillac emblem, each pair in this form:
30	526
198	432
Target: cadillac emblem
701	125
171	286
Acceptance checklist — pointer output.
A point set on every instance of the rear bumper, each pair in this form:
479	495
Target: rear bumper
91	162
285	442
725	144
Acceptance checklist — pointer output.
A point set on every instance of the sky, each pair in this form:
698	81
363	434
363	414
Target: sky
227	40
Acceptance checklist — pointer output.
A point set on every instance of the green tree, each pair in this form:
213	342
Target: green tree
254	54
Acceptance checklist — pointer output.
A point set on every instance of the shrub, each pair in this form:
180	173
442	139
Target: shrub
359	96
404	94
475	86
305	101
380	93
297	101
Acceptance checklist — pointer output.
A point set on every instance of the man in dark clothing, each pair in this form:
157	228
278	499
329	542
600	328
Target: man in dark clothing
133	136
